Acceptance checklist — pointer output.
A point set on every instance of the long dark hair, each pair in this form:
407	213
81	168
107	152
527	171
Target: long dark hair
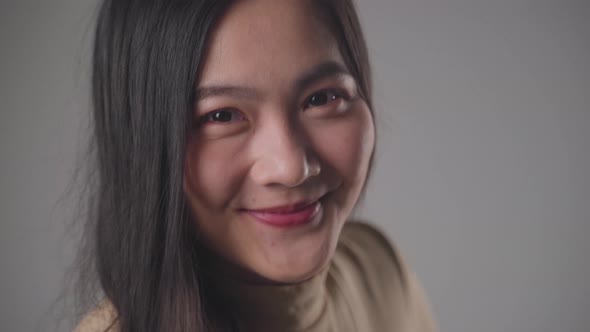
147	55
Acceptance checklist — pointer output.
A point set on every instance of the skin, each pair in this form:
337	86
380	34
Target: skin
292	129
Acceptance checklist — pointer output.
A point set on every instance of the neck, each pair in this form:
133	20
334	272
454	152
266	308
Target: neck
263	304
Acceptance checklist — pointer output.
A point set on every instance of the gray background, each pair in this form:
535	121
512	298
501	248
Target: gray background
483	165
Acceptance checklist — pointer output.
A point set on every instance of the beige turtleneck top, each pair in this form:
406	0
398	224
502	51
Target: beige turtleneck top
366	288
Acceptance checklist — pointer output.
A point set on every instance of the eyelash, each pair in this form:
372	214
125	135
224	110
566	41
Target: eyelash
335	94
208	118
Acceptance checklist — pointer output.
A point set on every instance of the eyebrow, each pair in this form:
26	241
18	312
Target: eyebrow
320	72
240	92
317	73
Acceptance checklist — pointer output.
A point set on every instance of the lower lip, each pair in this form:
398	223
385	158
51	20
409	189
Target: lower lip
290	219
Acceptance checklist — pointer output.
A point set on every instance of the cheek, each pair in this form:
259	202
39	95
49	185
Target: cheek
346	145
211	175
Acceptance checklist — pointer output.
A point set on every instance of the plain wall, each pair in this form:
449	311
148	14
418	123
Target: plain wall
483	161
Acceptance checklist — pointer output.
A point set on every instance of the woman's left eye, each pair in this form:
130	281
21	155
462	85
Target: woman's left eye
322	98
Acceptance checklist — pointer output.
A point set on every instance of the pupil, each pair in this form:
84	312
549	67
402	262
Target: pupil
222	116
318	99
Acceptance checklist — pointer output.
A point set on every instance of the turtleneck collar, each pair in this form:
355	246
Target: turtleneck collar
278	307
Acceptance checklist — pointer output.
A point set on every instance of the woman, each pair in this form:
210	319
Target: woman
233	140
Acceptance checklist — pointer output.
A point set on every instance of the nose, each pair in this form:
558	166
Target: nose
282	156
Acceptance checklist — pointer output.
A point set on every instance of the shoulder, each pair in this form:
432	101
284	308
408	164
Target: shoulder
102	319
377	271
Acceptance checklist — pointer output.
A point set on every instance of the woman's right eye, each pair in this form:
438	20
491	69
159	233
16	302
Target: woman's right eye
226	115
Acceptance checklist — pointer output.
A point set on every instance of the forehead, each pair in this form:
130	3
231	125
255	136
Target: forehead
267	41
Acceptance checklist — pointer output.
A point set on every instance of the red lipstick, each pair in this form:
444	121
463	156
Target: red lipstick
287	216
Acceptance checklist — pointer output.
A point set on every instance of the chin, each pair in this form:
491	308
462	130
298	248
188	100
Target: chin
305	255
297	265
294	274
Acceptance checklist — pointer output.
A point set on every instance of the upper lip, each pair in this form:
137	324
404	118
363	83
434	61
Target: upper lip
286	208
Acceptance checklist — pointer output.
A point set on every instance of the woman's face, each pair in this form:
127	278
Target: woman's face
281	144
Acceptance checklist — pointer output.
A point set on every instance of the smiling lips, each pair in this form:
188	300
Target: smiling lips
287	216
